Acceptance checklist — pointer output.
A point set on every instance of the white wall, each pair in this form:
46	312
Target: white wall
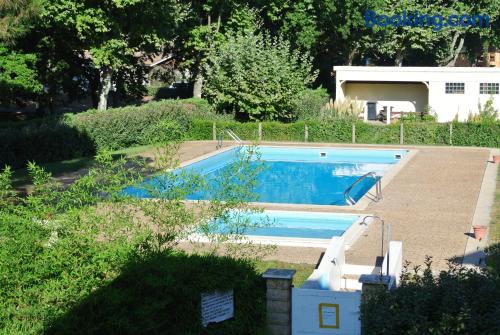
445	106
448	106
404	97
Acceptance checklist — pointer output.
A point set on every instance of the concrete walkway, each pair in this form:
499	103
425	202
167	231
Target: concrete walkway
429	205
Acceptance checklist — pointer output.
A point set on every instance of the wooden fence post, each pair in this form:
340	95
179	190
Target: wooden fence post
260	131
214	132
401	134
451	133
353	133
306	133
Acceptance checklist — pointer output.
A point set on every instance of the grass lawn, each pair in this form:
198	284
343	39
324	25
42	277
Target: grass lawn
60	168
303	270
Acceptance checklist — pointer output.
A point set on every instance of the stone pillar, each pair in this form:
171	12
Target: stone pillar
279	300
214	131
260	131
372	283
306	133
353	135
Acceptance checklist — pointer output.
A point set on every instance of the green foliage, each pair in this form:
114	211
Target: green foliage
340	131
476	134
158	293
309	104
42	141
16	17
257	77
486	113
124	127
18	76
426	133
81	253
458	301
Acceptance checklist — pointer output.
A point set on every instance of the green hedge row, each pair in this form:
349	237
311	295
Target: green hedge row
340	131
72	136
83	134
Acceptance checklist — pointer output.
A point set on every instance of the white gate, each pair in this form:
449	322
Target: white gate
325	312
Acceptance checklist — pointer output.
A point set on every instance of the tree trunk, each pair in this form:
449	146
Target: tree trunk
352	54
198	85
456	52
105	86
399	59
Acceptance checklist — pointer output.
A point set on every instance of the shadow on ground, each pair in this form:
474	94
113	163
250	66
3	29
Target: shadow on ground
161	294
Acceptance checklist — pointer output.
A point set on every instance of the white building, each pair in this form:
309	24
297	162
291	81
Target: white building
446	92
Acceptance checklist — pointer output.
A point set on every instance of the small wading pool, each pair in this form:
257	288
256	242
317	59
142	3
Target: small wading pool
311	225
292	175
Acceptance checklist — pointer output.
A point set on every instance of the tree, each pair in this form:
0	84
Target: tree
257	77
15	17
113	34
18	76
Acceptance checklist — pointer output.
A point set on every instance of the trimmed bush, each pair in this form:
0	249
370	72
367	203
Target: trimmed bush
339	131
49	140
83	134
476	134
124	127
192	119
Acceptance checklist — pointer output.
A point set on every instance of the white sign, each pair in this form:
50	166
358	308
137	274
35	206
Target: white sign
216	307
328	315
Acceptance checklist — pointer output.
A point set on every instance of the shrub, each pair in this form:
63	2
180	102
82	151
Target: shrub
476	134
161	294
309	104
458	301
257	77
124	127
42	141
73	136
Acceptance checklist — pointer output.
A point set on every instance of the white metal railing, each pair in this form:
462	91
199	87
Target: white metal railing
231	134
378	189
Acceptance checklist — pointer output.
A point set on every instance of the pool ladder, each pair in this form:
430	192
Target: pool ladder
231	134
378	188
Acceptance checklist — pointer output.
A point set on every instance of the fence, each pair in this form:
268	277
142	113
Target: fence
344	131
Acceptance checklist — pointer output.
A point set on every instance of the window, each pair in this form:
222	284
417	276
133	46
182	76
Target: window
489	88
455	88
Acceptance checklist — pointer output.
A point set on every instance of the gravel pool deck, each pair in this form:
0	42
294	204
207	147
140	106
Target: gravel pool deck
429	205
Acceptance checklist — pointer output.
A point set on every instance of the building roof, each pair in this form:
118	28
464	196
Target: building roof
419	69
415	74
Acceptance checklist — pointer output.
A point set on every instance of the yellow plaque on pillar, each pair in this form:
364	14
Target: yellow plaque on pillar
329	316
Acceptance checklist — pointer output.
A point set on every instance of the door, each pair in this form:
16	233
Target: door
372	110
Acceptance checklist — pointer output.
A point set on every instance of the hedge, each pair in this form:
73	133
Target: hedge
83	134
72	136
417	133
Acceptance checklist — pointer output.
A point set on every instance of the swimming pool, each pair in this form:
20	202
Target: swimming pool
292	175
292	224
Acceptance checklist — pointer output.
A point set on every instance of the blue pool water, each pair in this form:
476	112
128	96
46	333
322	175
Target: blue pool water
299	224
296	175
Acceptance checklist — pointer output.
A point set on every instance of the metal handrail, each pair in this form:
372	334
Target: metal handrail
378	188
231	134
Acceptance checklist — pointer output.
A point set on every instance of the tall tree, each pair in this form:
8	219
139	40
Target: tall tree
16	17
113	34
